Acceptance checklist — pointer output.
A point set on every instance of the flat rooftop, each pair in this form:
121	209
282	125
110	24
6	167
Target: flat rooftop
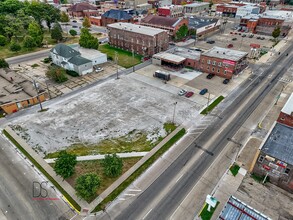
187	53
279	144
288	107
169	57
197	22
235	209
196	4
225	53
136	28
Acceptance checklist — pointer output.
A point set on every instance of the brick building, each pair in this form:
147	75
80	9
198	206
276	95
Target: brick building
195	7
172	11
203	26
170	24
114	16
286	114
275	157
141	40
82	9
226	10
223	62
96	20
262	24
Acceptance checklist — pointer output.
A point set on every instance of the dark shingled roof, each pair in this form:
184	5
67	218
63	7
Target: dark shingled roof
117	14
65	51
81	7
159	20
78	60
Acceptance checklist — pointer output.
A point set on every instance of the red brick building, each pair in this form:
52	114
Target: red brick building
82	9
173	11
114	16
286	114
140	39
223	62
261	24
226	10
170	24
96	20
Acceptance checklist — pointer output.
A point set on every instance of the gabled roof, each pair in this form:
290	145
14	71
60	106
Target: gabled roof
117	14
81	7
78	60
64	51
160	20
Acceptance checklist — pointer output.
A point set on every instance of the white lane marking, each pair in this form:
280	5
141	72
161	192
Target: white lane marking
147	214
126	194
135	190
179	178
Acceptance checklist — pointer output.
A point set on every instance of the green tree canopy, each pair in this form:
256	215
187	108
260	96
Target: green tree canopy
112	165
3	40
64	17
14	46
57	74
35	31
73	32
29	42
56	32
182	32
276	33
64	164
86	185
3	63
86	40
10	6
86	23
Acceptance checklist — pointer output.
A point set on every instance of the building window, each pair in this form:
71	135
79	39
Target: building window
219	64
213	69
208	67
225	72
287	171
261	158
214	62
282	119
202	61
209	62
218	70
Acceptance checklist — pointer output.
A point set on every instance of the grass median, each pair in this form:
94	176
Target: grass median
41	169
212	106
139	171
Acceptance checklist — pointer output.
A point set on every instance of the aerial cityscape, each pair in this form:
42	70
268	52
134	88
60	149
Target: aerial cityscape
146	110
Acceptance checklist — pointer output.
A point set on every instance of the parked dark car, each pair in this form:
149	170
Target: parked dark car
244	35
230	45
258	37
251	36
74	26
210	76
234	38
74	21
189	94
226	81
203	91
210	41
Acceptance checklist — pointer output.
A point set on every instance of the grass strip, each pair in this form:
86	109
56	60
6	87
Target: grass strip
205	214
234	169
139	171
40	168
212	106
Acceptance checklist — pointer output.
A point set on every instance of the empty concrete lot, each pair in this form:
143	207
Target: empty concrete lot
111	109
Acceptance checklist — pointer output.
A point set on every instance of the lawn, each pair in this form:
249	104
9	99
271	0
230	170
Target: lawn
133	141
94	166
205	214
234	169
5	52
212	106
125	58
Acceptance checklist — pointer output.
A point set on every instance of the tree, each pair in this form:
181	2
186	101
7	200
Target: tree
35	31
3	40
86	40
51	15
57	74
113	165
211	4
56	32
10	6
64	17
182	32
73	32
15	46
29	42
86	23
14	27
86	185
276	33
3	63
64	164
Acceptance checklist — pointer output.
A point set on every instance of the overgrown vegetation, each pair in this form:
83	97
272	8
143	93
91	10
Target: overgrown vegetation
86	185
41	169
64	164
212	106
259	179
234	169
140	170
72	73
112	165
57	74
205	214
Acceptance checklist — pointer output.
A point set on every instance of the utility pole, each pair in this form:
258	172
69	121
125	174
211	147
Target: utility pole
116	59
35	85
208	102
175	103
48	90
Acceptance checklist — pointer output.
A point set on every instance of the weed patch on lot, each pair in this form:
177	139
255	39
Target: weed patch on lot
212	106
259	179
234	169
205	214
125	58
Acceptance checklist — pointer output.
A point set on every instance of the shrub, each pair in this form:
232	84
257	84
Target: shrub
3	64
47	60
15	47
73	32
3	40
57	74
72	73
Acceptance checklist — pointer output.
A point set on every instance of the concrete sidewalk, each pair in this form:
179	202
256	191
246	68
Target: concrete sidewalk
102	156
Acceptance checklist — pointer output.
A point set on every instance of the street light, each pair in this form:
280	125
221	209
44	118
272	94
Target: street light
175	103
37	89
